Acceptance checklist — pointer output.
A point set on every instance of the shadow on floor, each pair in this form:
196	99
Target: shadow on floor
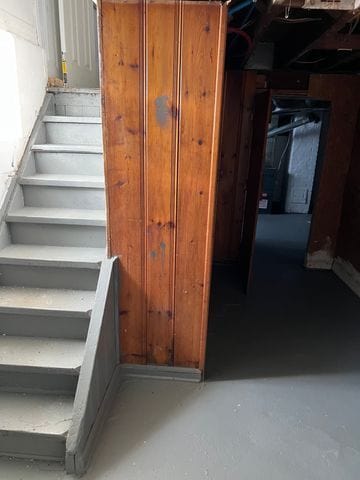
292	322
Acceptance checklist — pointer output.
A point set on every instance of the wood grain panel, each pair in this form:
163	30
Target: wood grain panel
160	160
162	64
200	110
344	94
262	109
236	130
123	115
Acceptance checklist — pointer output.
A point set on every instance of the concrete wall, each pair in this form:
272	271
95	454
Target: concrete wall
22	82
301	171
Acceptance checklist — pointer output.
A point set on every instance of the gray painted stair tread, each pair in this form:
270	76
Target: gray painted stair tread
49	299
68	119
57	215
44	414
34	254
56	180
57	353
52	147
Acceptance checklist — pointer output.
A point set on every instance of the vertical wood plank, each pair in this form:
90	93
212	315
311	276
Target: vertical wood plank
236	130
160	159
122	84
262	110
203	36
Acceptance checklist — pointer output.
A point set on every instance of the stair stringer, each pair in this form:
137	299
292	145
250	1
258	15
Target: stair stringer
99	374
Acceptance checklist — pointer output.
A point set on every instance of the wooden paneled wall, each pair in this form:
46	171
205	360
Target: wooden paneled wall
343	91
162	69
236	131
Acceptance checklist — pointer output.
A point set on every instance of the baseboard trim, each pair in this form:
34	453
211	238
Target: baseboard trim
348	274
181	374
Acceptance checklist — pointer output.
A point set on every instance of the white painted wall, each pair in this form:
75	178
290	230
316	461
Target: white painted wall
302	164
22	82
79	42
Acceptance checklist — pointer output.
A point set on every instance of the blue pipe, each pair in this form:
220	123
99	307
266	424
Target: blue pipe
240	6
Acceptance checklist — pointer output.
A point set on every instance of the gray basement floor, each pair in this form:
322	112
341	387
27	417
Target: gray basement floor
282	396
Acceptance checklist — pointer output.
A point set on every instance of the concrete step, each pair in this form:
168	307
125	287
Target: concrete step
77	102
34	426
69	163
37	255
32	364
64	197
65	180
46	301
63	216
73	130
60	234
53	353
35	323
58	277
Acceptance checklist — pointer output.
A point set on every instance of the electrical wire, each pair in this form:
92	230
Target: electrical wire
244	35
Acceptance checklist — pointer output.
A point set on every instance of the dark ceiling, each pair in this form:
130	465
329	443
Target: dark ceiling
321	41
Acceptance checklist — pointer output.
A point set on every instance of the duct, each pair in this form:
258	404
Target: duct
291	126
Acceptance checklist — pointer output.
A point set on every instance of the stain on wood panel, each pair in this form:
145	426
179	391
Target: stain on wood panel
344	94
160	172
201	85
122	79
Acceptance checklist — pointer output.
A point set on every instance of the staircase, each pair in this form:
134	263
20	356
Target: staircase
52	243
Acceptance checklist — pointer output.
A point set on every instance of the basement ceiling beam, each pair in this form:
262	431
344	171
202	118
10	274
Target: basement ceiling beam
339	41
325	36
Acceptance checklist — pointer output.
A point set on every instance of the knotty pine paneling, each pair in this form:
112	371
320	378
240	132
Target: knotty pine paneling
162	71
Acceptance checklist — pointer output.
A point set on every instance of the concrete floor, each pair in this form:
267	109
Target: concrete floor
282	395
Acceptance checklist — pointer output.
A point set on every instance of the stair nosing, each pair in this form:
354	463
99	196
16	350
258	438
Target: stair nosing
51	312
20	216
79	183
38	369
66	148
72	119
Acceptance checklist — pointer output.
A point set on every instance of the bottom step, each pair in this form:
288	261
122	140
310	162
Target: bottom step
34	426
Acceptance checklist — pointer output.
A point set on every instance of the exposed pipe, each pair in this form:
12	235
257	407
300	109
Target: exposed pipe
290	126
239	6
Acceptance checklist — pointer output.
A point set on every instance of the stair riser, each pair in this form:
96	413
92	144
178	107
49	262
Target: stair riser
48	277
69	163
73	133
47	326
32	445
64	197
24	382
77	104
60	235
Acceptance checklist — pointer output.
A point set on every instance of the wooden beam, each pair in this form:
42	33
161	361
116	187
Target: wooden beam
330	32
338	41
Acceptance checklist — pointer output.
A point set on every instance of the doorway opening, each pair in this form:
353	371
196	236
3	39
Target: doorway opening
284	319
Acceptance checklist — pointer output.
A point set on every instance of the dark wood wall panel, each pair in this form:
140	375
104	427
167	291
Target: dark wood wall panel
236	131
348	245
344	94
162	64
